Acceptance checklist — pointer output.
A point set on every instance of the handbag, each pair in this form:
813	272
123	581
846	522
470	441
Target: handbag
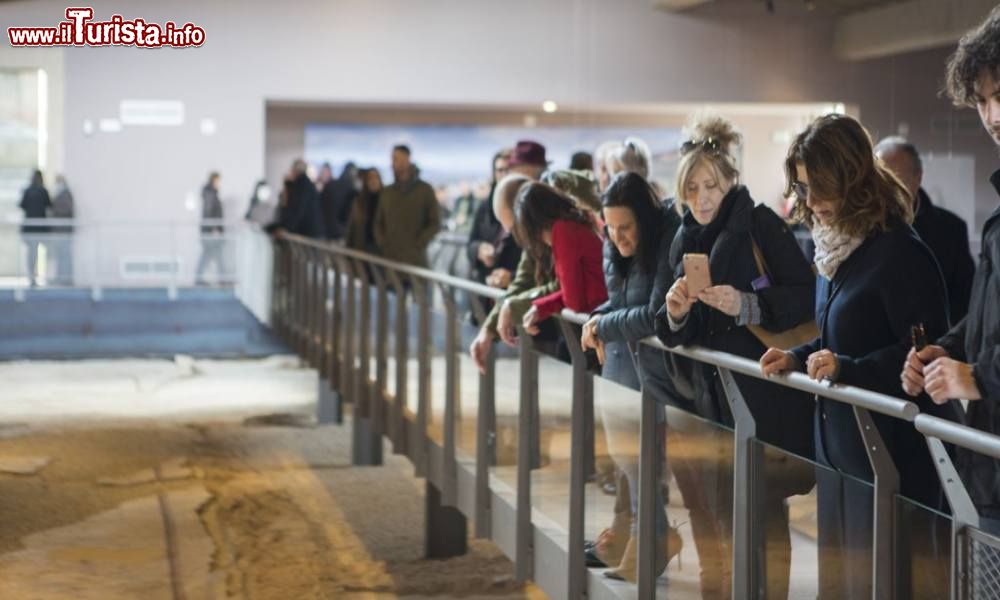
802	333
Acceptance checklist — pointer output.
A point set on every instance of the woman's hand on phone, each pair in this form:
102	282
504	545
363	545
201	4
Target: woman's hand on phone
678	302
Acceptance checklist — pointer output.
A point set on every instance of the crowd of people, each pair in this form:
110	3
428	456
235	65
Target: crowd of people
708	266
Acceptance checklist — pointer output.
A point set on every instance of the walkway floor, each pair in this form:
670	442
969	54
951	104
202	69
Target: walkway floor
215	499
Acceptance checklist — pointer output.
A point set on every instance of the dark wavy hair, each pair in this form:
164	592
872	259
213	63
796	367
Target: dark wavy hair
536	209
632	191
837	154
978	52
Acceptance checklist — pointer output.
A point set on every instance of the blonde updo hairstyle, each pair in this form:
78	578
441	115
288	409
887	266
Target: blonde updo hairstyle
709	141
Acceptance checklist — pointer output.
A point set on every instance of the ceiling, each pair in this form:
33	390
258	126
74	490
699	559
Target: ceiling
863	29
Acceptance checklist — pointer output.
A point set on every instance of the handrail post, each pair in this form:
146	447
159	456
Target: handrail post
449	467
583	393
310	301
306	306
369	449
524	547
746	488
486	419
301	294
327	400
423	291
332	398
337	364
293	296
319	310
886	488
378	413
649	481
347	331
323	318
398	432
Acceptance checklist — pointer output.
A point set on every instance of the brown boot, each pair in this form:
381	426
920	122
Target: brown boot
667	547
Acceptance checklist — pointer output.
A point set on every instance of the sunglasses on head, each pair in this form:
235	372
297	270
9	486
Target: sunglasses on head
708	145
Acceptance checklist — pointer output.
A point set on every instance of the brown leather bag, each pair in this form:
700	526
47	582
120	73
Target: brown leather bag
802	333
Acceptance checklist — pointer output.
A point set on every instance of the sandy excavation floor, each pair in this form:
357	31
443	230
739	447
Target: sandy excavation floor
211	500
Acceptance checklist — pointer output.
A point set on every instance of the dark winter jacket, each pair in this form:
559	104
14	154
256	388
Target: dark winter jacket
888	284
629	314
335	201
361	226
486	228
783	416
35	203
301	213
947	236
976	340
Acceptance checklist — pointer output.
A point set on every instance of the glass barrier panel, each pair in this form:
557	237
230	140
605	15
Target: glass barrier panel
467	410
699	500
550	482
923	546
816	527
608	501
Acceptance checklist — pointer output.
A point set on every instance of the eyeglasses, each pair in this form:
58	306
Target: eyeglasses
708	145
801	190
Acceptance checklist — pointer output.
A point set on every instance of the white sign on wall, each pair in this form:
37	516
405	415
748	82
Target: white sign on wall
151	112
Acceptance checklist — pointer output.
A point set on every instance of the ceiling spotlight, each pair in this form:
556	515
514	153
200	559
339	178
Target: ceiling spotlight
550	106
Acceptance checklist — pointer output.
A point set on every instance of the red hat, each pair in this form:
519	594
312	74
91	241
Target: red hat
527	152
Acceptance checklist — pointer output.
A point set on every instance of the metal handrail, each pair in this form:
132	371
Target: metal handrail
441	278
874	401
960	435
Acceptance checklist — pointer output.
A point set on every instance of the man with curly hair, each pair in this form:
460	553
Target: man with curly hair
965	363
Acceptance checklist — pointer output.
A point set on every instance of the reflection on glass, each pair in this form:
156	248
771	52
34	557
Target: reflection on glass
923	546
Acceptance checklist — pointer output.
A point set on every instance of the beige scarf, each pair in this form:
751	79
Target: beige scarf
832	248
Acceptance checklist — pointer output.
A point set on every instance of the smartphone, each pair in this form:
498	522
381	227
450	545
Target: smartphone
697	273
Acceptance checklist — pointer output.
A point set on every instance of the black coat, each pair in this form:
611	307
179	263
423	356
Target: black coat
889	283
486	228
35	203
783	416
301	213
629	315
947	235
335	200
976	340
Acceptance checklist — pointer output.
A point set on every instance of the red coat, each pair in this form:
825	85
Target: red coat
577	254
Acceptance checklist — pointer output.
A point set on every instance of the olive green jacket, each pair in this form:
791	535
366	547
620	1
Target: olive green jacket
406	220
523	289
